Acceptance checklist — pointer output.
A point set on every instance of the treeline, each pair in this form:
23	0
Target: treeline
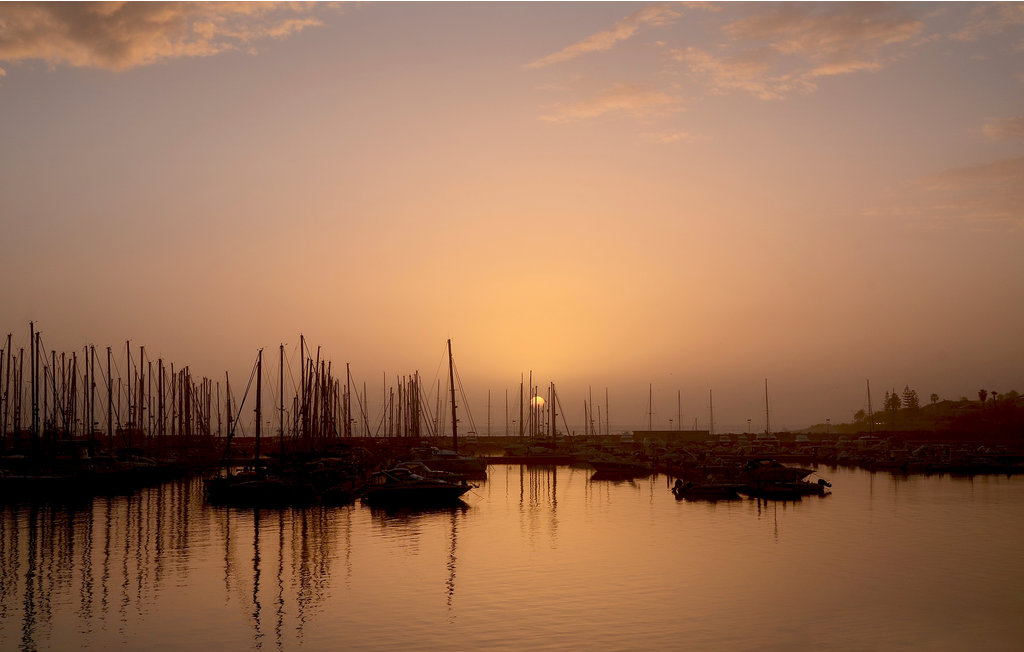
992	414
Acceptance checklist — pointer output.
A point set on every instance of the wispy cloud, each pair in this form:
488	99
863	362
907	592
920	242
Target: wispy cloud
670	137
990	18
662	14
748	71
988	196
630	99
124	35
997	129
822	31
790	46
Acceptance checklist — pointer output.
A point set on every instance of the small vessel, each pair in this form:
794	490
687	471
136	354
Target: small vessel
620	466
401	486
710	491
415	484
440	459
254	488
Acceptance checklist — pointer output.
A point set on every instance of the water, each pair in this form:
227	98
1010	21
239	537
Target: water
540	558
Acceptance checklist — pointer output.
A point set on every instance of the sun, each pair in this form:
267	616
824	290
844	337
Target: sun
537	401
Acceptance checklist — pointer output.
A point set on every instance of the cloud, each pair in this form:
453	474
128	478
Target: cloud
671	137
606	40
631	99
748	71
823	31
990	18
124	35
990	195
788	47
997	129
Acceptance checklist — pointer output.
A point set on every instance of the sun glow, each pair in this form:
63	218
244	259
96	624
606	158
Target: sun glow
537	401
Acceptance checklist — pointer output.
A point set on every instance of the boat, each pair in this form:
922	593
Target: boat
401	486
254	488
416	484
620	466
709	491
439	459
251	489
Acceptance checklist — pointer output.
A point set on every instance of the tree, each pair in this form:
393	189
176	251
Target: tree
892	401
982	395
892	405
910	400
934	398
860	416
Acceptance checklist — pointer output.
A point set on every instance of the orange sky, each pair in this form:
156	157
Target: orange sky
613	195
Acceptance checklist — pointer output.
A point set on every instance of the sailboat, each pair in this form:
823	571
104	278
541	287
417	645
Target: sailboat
403	486
253	488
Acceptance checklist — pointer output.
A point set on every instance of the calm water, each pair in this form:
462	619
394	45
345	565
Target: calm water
539	558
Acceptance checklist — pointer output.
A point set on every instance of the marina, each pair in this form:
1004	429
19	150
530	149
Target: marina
162	569
585	326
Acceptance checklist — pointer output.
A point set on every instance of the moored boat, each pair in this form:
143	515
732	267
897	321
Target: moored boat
708	491
401	486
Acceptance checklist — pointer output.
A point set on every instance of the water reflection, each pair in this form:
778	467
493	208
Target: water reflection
105	563
408	526
524	563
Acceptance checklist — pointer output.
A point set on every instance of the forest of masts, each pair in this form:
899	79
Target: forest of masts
48	396
127	399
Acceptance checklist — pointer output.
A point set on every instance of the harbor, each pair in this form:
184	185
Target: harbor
583	326
161	568
317	456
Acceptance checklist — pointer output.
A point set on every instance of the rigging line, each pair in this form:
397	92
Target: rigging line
558	403
465	401
362	408
234	423
437	372
291	372
425	406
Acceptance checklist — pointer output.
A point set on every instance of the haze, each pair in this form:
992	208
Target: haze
623	196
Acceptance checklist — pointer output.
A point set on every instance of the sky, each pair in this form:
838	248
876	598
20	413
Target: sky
672	202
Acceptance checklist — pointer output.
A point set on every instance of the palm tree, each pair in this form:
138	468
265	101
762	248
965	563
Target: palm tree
982	395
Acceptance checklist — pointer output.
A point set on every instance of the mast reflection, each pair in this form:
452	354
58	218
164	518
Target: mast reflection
107	561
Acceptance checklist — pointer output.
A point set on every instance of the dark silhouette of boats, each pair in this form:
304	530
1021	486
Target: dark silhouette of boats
254	487
609	466
438	459
771	480
250	489
402	486
710	491
414	483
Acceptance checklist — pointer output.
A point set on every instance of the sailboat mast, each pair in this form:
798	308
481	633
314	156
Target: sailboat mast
259	405
33	379
871	418
554	438
451	381
7	386
767	417
92	397
650	407
110	404
520	406
711	405
280	391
